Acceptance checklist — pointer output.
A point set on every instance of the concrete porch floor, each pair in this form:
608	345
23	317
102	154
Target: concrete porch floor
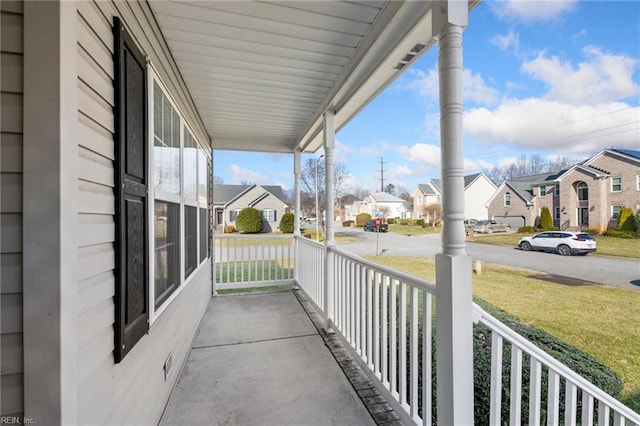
259	360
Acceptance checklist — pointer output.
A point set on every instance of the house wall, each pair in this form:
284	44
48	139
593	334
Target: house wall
628	170
476	196
518	207
95	390
568	200
270	202
11	208
418	208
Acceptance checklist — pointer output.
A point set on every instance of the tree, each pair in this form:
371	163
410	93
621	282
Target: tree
308	182
249	221
546	222
390	189
287	223
218	180
362	218
403	192
532	164
626	220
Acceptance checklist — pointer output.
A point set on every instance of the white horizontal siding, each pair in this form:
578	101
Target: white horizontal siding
11	207
109	393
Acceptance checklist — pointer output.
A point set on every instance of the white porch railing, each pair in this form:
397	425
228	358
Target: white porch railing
253	261
386	319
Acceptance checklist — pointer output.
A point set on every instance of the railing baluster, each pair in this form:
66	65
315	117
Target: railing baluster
426	359
363	314
413	355
384	333
403	343
535	385
495	410
603	414
586	419
370	289
571	403
393	368
515	417
553	399
377	283
356	308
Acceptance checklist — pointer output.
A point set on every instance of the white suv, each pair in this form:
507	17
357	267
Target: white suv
562	242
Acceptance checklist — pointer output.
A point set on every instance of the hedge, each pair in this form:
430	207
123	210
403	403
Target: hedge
362	218
620	234
287	223
626	220
249	221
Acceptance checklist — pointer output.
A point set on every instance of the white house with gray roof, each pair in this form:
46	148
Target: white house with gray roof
390	205
229	200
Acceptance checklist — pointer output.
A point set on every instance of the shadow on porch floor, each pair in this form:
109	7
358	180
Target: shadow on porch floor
259	360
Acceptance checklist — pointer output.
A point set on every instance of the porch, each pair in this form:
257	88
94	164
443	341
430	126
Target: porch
259	359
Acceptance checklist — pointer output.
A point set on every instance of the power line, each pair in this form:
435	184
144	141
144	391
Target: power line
381	174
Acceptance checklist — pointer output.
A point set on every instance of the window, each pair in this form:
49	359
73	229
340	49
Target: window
615	211
543	190
556	213
419	200
556	190
616	184
233	214
269	215
507	199
190	187
166	180
204	170
638	183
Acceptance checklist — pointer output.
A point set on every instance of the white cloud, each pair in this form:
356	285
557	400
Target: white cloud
538	124
475	90
511	40
423	153
532	11
239	174
602	77
476	165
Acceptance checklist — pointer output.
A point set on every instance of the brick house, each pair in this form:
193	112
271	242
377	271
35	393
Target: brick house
587	195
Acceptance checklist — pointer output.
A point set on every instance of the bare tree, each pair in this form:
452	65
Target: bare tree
218	180
390	189
313	168
529	165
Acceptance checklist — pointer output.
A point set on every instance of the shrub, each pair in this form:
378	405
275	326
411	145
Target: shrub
404	222
591	231
362	218
626	220
391	221
229	229
620	234
436	222
546	221
527	230
249	221
287	223
420	222
347	223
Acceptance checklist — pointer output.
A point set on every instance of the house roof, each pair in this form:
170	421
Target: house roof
384	197
426	189
224	194
628	152
262	74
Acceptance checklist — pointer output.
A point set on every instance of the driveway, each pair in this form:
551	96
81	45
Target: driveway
618	272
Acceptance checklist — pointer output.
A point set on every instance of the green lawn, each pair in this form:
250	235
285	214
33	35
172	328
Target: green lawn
601	320
413	229
607	246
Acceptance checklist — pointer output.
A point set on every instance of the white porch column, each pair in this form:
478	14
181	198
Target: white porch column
214	224
296	191
330	197
453	266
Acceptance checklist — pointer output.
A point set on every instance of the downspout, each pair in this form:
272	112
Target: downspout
454	306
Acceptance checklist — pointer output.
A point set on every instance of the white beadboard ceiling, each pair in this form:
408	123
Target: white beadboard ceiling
262	73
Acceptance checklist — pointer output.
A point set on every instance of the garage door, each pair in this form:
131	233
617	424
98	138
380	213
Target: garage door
515	221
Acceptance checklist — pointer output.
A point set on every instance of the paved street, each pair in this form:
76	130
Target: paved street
619	272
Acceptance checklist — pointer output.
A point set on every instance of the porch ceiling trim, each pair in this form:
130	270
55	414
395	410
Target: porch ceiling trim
262	73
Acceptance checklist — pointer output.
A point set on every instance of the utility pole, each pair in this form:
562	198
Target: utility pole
381	174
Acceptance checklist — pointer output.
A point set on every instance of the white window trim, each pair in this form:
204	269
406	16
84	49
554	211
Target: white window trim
556	213
154	313
612	211
637	182
543	190
556	190
504	199
616	177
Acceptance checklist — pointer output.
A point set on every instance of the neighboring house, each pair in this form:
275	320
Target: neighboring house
587	195
229	200
390	205
478	188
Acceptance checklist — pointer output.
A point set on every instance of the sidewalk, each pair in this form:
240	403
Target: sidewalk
259	360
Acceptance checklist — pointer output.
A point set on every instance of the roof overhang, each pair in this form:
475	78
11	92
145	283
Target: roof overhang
263	73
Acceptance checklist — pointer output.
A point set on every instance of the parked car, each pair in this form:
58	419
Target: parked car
371	226
470	223
562	242
490	226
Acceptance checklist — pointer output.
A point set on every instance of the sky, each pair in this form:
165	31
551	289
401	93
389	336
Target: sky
548	78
